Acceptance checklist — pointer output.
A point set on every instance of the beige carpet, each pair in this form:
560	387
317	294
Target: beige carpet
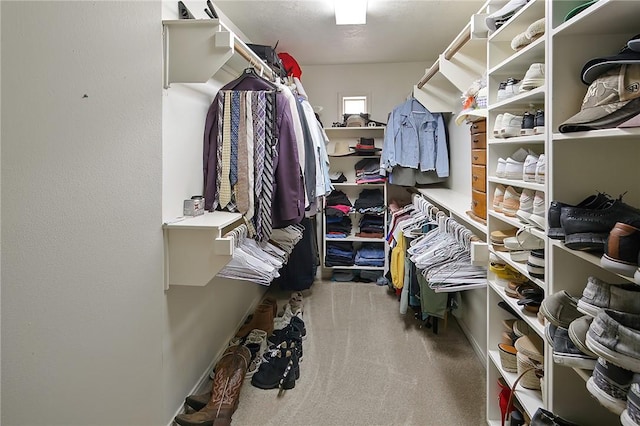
365	364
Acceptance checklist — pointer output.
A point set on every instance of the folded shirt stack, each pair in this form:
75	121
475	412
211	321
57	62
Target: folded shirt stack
339	254
338	204
368	171
370	254
370	201
338	227
371	226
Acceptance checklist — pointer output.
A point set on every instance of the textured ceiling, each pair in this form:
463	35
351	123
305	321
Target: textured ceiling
396	31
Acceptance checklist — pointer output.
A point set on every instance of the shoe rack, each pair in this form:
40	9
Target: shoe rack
577	165
582	163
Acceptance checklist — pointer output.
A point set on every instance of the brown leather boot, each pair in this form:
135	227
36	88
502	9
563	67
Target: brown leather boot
225	393
262	319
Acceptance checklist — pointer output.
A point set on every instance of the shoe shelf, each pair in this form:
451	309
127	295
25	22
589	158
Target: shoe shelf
517	24
631	134
589	257
530	399
517	223
521	101
582	373
517	182
595	19
518	63
518	140
529	317
520	267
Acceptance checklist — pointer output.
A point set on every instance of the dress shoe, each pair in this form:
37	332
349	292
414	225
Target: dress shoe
621	250
588	229
553	215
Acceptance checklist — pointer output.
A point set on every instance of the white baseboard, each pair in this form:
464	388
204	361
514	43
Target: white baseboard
482	356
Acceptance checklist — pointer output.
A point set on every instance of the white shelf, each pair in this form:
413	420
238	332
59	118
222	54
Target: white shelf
356	267
590	21
589	257
583	374
517	24
520	267
517	183
358	185
455	203
518	140
345	132
194	249
631	134
530	399
520	102
529	317
518	63
514	221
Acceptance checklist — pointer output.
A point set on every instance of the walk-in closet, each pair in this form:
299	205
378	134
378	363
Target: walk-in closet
320	212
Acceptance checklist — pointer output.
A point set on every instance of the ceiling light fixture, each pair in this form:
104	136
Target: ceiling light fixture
350	12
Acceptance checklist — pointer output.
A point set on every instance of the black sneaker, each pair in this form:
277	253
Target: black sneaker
527	124
538	122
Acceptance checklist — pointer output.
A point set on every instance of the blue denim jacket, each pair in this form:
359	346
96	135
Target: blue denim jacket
415	138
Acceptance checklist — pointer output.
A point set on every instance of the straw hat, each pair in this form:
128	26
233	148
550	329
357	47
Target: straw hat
341	149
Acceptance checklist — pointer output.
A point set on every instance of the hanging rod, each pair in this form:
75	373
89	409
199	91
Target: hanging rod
253	59
454	47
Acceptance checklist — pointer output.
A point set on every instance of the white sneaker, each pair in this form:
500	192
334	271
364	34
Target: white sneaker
539	211
523	241
512	88
511	203
498	198
500	170
529	169
533	78
505	12
526	205
496	126
511	125
541	167
513	169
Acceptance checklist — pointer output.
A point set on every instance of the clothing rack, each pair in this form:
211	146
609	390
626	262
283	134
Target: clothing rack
248	54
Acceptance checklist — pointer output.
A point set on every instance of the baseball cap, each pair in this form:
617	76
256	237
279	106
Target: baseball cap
611	99
573	12
597	66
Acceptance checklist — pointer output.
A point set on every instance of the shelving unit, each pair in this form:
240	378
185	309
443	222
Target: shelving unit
195	249
571	159
352	190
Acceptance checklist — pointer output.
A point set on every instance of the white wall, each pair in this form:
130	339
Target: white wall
81	209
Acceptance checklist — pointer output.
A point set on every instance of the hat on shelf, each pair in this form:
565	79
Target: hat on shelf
596	67
573	12
355	120
613	98
341	149
366	146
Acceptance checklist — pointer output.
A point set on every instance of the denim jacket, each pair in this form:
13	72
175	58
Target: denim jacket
415	138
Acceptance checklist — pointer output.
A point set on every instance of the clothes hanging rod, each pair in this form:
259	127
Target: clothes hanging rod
449	52
248	54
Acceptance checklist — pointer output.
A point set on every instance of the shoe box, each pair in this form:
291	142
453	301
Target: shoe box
479	168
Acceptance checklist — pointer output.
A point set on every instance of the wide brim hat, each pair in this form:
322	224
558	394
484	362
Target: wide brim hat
366	145
598	66
611	99
341	149
471	114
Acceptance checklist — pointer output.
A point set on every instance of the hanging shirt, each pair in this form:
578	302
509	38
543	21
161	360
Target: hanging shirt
415	138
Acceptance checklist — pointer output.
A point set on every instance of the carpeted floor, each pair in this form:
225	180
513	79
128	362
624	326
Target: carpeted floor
365	364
